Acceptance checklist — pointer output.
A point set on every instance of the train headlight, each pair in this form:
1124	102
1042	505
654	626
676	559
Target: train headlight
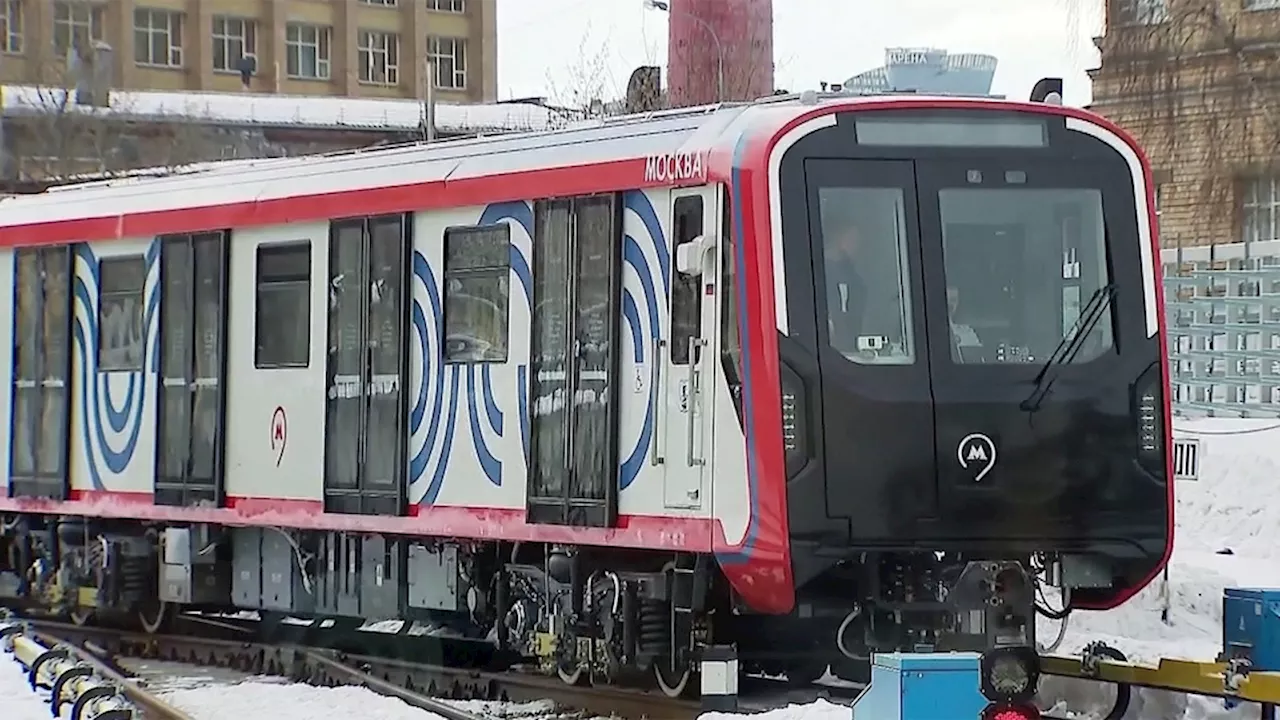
1010	675
1148	418
795	421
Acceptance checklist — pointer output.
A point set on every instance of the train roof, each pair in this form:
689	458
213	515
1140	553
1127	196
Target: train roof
601	155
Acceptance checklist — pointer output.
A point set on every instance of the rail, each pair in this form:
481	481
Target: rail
76	678
427	686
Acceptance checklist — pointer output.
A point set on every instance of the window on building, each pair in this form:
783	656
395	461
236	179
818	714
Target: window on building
157	37
452	6
76	24
1261	4
121	335
282	306
379	57
449	57
11	26
1139	12
382	3
308	51
1260	209
233	38
477	266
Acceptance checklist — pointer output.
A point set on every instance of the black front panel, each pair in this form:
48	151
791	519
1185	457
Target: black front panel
365	425
193	326
577	290
41	371
970	347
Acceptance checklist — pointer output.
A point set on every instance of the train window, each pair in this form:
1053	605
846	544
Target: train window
686	292
864	246
1022	265
477	267
282	306
121	336
40	368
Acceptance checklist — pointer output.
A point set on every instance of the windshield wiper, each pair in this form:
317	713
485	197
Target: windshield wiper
1070	345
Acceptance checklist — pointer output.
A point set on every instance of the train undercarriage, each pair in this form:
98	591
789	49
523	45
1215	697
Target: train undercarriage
586	614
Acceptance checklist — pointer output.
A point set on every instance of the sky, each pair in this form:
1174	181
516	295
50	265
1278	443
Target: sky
546	46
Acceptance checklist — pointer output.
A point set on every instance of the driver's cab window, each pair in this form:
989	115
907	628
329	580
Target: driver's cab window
477	265
868	299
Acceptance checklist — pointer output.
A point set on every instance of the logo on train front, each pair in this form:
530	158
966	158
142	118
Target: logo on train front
977	453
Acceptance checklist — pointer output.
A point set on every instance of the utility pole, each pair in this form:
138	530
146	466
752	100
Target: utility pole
429	100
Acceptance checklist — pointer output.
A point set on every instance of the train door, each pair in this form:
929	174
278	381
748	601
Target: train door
41	373
877	414
192	392
365	418
684	426
573	448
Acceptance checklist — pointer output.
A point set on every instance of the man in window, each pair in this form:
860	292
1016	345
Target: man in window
846	290
964	339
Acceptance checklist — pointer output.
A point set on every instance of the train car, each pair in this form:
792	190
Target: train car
817	375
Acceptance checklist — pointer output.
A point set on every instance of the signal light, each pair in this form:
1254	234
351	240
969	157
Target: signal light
1009	678
1011	712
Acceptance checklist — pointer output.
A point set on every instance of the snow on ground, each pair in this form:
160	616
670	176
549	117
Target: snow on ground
17	700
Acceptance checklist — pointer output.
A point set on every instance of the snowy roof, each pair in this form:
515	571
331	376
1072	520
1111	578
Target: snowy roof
290	110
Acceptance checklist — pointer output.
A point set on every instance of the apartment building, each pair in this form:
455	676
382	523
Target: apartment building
1197	82
359	48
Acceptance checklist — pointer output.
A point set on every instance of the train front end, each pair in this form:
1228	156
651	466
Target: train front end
974	391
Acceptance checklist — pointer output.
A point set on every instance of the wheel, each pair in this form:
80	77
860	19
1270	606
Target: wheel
569	676
805	673
153	617
672	683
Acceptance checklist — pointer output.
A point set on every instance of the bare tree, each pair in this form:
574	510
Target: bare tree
70	124
586	80
1199	85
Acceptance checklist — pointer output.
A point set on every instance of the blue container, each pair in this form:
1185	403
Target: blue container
922	686
1251	626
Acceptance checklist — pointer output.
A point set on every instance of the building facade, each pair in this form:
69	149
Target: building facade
359	48
929	70
719	51
1197	82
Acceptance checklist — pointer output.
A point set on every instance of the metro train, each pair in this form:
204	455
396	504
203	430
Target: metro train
818	375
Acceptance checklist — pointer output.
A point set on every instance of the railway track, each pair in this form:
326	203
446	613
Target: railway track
434	687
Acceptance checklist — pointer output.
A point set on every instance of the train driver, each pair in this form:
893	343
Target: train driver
846	289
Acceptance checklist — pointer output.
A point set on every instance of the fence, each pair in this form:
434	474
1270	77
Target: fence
1222	305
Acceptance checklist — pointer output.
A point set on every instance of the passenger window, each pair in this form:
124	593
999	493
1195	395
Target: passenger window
1022	266
282	306
477	267
686	292
864	248
121	336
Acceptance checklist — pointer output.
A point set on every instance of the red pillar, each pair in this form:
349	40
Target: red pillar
745	32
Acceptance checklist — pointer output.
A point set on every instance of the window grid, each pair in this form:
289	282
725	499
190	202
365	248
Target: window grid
233	38
1140	12
75	24
1260	210
449	58
379	57
458	6
157	38
380	3
11	26
309	51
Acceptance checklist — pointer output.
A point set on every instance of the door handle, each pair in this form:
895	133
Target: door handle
660	399
694	344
